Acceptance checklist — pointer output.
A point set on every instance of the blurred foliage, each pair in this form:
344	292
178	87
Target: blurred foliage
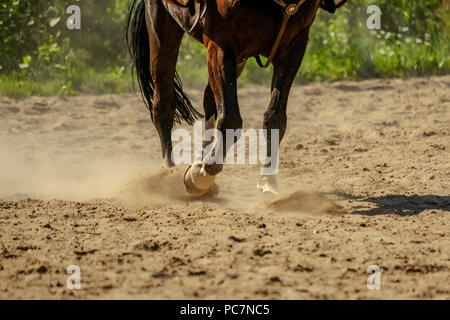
36	45
39	54
413	40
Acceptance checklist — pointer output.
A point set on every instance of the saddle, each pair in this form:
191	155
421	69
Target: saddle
327	5
188	20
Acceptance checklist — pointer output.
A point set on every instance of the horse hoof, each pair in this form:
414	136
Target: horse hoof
197	181
267	185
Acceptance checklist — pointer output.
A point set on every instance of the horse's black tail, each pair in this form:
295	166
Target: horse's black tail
136	35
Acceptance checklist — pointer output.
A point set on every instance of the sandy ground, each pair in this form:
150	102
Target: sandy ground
364	179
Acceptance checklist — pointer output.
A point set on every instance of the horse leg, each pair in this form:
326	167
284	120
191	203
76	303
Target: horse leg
210	109
221	113
223	75
285	71
209	103
165	39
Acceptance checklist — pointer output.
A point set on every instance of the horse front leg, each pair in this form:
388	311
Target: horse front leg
275	119
222	113
209	103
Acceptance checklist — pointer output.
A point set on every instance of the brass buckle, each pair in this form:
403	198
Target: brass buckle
291	9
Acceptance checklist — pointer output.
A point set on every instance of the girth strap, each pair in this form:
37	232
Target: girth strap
289	11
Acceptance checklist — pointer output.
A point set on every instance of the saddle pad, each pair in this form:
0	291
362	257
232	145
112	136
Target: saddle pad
188	17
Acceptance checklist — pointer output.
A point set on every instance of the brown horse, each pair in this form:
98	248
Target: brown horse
232	32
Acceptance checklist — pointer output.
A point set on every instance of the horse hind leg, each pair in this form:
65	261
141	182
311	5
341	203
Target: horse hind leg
165	40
